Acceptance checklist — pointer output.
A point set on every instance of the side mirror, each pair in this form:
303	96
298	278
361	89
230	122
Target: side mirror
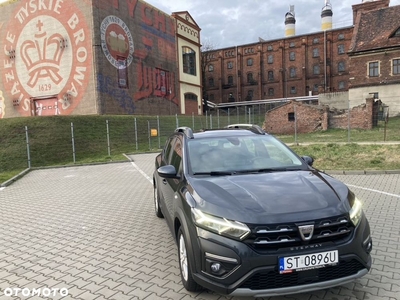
167	171
308	159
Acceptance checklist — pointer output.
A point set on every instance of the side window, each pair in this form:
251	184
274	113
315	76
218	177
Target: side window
167	150
176	157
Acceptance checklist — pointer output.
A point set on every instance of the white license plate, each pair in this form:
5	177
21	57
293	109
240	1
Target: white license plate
308	261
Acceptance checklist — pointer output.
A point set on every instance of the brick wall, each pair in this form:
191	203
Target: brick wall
360	117
152	71
283	84
312	118
308	118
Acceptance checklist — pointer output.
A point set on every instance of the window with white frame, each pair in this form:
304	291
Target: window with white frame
396	66
189	60
373	69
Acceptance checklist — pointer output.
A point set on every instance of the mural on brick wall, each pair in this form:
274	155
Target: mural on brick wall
2	105
156	44
46	57
116	40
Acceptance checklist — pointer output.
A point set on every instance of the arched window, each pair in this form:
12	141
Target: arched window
250	77
189	60
191	96
316	70
211	81
341	66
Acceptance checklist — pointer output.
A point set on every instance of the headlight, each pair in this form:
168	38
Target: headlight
356	212
222	226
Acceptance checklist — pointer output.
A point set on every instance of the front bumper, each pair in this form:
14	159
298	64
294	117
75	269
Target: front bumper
246	272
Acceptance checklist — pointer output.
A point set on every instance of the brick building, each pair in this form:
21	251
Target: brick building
375	54
97	57
330	61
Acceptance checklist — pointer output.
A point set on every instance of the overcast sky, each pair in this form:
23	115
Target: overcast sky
226	23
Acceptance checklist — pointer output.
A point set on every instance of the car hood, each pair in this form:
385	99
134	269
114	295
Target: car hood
289	196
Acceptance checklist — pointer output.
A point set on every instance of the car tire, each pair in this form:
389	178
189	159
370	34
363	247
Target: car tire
184	264
157	208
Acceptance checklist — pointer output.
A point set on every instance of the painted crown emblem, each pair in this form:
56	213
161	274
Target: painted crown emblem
42	56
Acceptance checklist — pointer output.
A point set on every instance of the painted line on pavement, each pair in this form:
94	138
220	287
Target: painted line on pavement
2	188
142	172
375	191
355	186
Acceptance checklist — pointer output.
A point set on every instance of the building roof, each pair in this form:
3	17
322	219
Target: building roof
374	30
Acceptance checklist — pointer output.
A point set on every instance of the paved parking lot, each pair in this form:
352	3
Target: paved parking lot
92	231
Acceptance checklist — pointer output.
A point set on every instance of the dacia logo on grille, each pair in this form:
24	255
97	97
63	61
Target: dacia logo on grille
306	232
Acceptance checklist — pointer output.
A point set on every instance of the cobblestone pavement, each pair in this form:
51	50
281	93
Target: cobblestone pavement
92	230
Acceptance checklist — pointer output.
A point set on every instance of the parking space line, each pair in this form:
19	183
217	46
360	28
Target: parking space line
2	188
375	191
142	172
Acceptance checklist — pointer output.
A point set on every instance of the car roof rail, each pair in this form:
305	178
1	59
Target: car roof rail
186	130
252	127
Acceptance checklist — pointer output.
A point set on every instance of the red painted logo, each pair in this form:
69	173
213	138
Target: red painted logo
46	55
116	40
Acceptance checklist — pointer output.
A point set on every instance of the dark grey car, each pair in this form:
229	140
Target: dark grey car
252	218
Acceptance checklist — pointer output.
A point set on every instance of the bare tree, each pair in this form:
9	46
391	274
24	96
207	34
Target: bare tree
206	54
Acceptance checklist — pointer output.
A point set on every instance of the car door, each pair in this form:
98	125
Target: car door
170	185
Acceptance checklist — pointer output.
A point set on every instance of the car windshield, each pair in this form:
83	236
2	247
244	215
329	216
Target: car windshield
247	153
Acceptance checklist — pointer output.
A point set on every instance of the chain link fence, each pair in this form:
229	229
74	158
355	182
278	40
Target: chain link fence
49	141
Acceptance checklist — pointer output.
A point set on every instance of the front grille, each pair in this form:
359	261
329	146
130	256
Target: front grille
271	237
273	280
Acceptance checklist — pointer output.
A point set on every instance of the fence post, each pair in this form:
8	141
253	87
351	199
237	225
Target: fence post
295	125
73	142
211	127
206	119
218	118
27	147
136	141
149	133
177	121
158	132
193	120
348	129
229	116
108	139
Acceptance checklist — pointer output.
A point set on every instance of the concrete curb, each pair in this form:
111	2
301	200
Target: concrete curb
361	172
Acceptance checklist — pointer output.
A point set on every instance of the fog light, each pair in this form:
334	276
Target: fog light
368	244
215	267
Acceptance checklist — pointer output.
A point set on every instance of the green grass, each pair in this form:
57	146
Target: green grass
50	141
352	156
377	134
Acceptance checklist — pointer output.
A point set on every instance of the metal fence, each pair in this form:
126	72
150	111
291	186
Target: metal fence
76	140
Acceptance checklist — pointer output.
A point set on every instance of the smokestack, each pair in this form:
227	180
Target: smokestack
290	22
326	16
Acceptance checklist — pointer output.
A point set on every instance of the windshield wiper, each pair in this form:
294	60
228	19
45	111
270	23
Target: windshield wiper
214	173
279	169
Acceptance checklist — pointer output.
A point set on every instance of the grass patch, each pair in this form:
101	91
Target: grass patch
107	138
352	156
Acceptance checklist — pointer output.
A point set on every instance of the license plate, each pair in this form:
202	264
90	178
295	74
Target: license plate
308	261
